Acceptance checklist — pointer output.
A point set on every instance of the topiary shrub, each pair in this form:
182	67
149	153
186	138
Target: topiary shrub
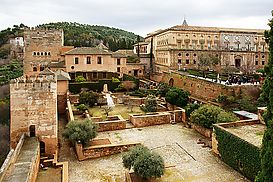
145	163
177	97
82	131
80	79
88	98
82	107
207	115
190	108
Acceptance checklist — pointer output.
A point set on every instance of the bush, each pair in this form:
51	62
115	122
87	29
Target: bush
190	108
88	98
162	89
177	97
145	164
80	79
150	104
149	165
207	115
115	80
82	107
80	131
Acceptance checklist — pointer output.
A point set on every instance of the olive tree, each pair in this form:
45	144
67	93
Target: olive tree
80	131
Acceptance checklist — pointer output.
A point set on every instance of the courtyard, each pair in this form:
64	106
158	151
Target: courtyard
185	160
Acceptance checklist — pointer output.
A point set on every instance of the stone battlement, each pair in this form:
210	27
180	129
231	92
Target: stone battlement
42	83
41	29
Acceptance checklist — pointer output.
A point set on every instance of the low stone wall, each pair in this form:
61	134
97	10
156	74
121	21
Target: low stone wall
11	157
101	150
112	123
69	111
203	131
74	99
149	119
134	101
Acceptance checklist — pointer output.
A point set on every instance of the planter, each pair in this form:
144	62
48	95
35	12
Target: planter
203	131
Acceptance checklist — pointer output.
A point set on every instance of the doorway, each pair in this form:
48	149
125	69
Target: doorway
32	131
171	81
42	147
237	63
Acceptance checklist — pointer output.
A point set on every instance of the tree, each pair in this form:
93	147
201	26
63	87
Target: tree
266	173
149	165
88	98
150	104
177	97
145	163
162	89
80	79
82	107
207	115
207	61
107	109
82	131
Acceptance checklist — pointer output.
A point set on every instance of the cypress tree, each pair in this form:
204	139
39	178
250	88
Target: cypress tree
266	173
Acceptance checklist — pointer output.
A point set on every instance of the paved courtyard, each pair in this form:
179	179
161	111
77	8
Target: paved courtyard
186	160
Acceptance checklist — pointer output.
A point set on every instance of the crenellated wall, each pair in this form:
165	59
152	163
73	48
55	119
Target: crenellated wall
33	105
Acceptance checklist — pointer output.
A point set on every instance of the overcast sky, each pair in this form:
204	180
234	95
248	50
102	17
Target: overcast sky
138	16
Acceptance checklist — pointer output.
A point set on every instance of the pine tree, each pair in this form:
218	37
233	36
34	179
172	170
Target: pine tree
266	173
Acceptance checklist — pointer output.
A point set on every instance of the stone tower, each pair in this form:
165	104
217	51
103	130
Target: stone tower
33	107
42	47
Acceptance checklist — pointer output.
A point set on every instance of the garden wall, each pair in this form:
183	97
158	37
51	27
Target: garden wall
236	152
112	123
96	151
149	119
202	89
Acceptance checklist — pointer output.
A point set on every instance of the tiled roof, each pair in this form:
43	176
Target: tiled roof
123	53
59	64
88	51
62	75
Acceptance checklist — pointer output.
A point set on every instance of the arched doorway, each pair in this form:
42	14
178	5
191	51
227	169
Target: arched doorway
42	147
32	131
171	81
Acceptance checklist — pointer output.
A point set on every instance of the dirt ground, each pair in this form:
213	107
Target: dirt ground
184	158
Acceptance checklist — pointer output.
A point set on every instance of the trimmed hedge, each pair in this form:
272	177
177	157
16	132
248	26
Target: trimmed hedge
94	86
238	153
131	78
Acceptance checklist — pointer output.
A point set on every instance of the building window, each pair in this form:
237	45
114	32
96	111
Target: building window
129	72
34	53
95	75
179	54
45	53
72	67
256	56
179	61
263	62
42	53
118	69
194	61
187	61
38	54
42	68
118	61
139	71
256	62
76	60
104	75
48	53
263	56
187	54
99	60
194	54
88	60
35	69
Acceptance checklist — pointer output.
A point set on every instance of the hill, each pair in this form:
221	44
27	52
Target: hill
84	35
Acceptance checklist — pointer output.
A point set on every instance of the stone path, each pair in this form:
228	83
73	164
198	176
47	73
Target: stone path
177	145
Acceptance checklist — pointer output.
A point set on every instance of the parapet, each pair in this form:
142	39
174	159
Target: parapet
38	83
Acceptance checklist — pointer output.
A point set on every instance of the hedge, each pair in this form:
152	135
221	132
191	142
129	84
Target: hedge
94	86
238	153
131	78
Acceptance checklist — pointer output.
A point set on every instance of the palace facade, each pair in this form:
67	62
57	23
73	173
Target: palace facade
181	46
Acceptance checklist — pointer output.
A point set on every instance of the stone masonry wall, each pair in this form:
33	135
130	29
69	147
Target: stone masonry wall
150	119
202	89
34	102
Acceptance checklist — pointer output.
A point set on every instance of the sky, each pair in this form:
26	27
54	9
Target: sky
138	16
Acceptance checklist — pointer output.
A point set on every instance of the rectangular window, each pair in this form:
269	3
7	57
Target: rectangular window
118	69
118	61
76	60
256	62
88	60
95	75
99	60
104	75
262	62
179	61
187	61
